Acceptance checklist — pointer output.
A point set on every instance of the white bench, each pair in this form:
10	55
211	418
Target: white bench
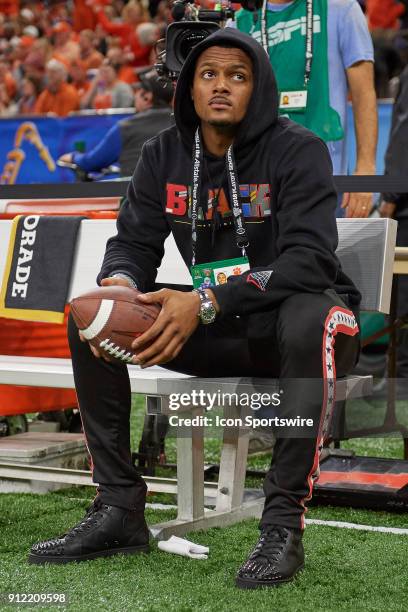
366	251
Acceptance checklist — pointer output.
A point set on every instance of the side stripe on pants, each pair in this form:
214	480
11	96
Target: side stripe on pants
339	320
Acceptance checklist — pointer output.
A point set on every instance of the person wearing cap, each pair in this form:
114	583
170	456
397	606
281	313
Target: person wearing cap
238	187
124	141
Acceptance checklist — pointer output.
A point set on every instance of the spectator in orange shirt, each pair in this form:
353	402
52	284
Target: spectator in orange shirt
66	50
79	79
83	17
59	97
89	56
383	14
7	81
126	72
134	15
9	7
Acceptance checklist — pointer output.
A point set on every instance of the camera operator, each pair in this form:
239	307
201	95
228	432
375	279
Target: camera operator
124	141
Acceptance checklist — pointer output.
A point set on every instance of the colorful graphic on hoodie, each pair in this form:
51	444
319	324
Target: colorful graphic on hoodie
255	200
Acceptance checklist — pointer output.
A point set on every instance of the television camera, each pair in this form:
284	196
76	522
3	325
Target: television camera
191	25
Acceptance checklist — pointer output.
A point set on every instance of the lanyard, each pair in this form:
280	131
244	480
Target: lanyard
241	236
309	37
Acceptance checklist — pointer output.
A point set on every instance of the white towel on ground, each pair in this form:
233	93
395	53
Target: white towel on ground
179	546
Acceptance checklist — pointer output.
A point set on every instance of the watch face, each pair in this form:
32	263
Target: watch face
208	313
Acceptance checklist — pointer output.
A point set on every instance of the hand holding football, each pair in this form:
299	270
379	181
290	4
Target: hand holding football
111	317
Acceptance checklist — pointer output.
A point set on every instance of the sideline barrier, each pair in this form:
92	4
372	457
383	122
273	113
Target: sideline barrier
118	188
92	207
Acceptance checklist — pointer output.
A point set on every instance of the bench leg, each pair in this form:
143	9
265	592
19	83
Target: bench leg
231	480
190	470
190	477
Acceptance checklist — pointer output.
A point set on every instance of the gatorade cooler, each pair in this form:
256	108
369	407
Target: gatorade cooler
43	339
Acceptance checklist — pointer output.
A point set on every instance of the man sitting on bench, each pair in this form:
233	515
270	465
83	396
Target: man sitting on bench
260	189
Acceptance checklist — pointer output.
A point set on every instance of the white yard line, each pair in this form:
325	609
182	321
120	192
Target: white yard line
161	507
342	525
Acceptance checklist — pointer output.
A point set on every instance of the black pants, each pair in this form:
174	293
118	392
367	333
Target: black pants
308	340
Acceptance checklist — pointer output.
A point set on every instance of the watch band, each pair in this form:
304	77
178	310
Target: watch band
207	313
126	277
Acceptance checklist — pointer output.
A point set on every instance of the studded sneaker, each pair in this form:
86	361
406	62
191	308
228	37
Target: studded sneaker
276	558
104	531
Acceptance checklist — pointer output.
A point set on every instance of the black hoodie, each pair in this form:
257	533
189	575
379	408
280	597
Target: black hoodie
287	195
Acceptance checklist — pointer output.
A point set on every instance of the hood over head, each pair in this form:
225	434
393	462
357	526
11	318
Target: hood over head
263	106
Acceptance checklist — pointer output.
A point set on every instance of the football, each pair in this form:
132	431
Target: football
110	318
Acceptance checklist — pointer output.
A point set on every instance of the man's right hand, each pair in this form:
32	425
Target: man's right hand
105	282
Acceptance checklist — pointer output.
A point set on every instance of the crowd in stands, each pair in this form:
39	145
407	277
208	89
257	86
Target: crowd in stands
58	57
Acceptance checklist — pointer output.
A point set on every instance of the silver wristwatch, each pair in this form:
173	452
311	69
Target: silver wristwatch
207	312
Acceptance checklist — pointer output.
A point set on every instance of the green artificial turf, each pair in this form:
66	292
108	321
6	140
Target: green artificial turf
346	570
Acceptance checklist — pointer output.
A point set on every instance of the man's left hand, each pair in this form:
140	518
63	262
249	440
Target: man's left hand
357	204
177	320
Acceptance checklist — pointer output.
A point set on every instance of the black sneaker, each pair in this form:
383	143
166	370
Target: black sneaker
276	558
104	531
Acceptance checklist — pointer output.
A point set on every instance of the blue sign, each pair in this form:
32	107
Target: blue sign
31	146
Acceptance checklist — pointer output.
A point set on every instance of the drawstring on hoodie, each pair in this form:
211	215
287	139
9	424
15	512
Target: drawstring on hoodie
241	236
